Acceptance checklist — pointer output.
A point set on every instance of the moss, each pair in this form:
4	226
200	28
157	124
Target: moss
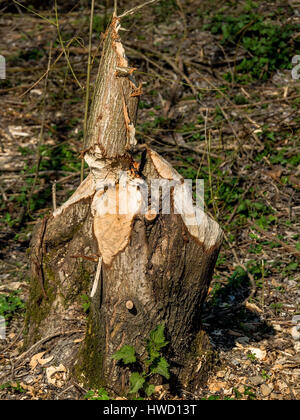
38	307
80	285
88	368
199	362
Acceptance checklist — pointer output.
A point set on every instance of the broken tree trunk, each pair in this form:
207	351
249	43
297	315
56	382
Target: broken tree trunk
111	239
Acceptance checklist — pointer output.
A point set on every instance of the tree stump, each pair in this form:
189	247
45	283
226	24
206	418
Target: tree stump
141	266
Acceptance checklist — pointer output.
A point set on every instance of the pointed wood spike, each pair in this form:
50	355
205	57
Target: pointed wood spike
110	124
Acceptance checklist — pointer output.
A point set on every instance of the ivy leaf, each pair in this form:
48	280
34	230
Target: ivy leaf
136	382
126	354
161	367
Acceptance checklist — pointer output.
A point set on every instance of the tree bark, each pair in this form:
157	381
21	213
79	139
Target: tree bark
142	267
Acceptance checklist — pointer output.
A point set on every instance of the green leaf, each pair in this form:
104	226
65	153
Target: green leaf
126	354
157	337
136	382
161	367
153	354
149	389
101	394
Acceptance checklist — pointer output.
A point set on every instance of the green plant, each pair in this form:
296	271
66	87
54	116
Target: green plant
251	356
276	307
269	45
163	9
98	23
249	393
237	393
99	394
85	302
155	363
13	386
10	305
265	375
52	158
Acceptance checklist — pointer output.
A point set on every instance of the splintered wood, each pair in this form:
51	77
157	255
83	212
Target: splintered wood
129	236
110	140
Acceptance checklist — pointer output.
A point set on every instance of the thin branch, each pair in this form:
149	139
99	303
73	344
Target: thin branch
41	136
54	195
134	9
47	71
62	45
35	13
87	95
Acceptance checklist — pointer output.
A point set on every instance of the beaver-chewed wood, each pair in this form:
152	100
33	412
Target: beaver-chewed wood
141	267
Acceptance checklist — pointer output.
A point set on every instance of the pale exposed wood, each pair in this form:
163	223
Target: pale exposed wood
85	190
111	134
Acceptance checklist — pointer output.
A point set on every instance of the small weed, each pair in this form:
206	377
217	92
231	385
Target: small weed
154	364
85	302
237	393
240	100
99	394
251	356
10	305
276	307
98	23
269	45
13	386
31	54
265	375
211	398
249	393
164	9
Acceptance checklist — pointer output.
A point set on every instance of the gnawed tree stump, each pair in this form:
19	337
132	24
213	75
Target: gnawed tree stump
142	267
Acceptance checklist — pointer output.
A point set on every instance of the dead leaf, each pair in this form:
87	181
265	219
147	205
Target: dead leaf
45	361
35	360
275	172
56	375
217	386
253	307
294	181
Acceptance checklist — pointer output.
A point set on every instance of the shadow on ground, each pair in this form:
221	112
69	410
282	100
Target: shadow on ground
228	321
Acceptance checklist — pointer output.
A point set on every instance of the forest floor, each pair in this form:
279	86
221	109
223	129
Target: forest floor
219	103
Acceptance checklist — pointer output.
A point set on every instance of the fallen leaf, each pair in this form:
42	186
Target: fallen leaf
252	307
217	386
35	360
294	181
45	361
56	370
276	172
